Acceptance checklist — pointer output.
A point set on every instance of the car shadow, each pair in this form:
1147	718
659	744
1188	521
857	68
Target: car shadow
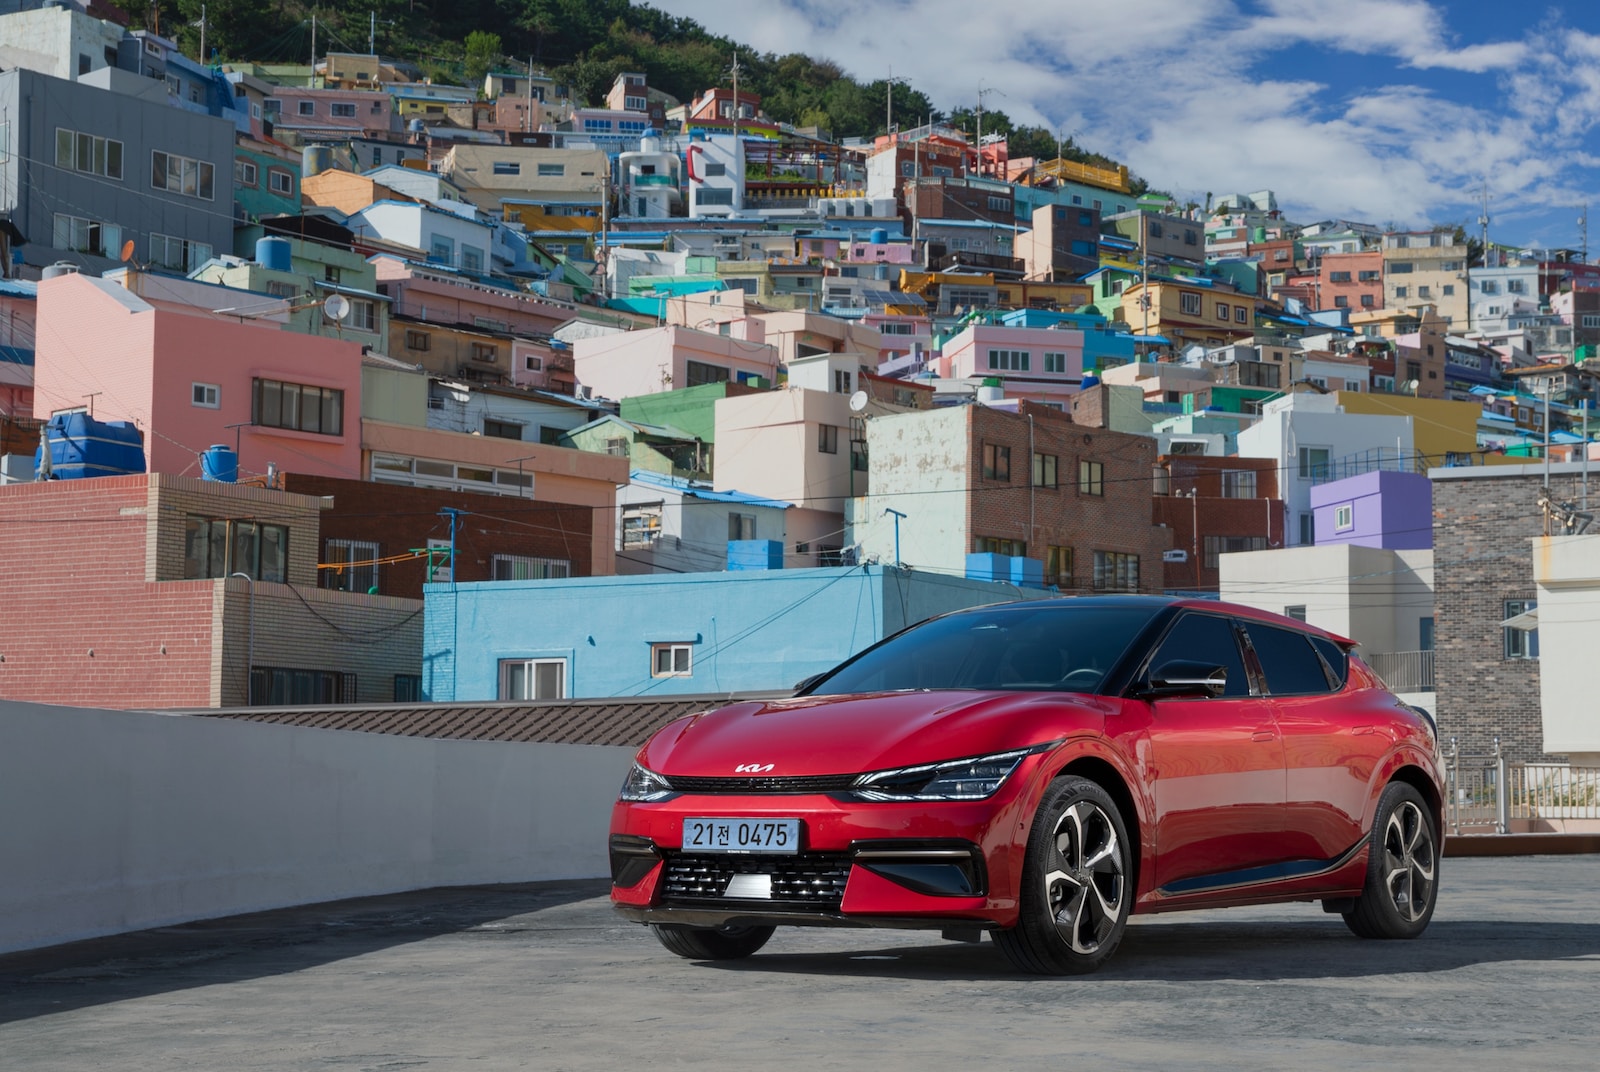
97	971
1252	950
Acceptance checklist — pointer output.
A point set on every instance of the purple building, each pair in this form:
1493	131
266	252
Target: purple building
1377	509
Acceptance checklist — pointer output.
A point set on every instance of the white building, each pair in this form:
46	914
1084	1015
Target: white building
667	524
58	40
1310	435
1566	572
715	167
443	237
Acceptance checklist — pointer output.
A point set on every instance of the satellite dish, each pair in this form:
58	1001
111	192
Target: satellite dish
337	307
858	402
127	251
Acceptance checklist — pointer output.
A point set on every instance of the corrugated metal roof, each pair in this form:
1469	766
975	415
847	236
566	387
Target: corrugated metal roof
626	721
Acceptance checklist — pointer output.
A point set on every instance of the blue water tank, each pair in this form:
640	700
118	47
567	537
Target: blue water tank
219	462
879	235
81	446
273	253
755	555
1089	381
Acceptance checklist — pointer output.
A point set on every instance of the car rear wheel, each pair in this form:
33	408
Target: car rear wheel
1402	868
1076	889
712	943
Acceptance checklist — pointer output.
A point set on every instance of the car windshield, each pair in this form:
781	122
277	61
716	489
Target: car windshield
1051	645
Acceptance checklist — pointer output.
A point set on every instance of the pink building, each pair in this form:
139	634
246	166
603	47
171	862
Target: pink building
18	299
441	298
900	253
190	378
331	111
1040	364
631	363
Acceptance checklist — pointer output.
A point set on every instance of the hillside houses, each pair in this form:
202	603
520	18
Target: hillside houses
478	335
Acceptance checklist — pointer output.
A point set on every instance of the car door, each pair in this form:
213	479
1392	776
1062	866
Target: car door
1329	749
1217	765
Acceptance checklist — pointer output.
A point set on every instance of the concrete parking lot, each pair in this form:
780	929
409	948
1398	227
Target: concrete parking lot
545	977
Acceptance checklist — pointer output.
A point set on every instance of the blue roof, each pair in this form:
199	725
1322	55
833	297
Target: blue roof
698	490
19	288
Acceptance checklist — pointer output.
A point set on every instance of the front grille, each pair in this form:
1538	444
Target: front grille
811	783
813	880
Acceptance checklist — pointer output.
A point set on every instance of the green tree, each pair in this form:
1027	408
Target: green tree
483	52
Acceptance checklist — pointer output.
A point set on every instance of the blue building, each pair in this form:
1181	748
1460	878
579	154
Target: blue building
672	633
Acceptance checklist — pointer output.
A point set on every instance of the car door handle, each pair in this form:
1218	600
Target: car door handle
1357	731
1264	735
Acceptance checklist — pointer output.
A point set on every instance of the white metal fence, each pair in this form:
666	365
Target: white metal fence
1486	793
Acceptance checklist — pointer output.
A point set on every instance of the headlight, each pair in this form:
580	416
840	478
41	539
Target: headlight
645	785
959	779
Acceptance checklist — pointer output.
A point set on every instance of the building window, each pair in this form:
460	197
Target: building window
180	254
1238	483
1520	643
205	395
306	107
407	688
244	173
88	153
355	565
1401	292
841	382
552	171
442	250
1091	478
1297	612
87	236
1338	277
417	340
533	679
1241	314
487	352
996	462
1344	517
828	438
280	182
1044	470
1227	545
1222	312
1058	566
1116	571
342	110
181	175
296	406
1314	463
1009	360
698	372
993	545
215	548
364	315
507	167
501	429
286	686
705	196
1340	301
641	524
741	526
671	660
1055	362
1189	303
1367	301
471	259
528	568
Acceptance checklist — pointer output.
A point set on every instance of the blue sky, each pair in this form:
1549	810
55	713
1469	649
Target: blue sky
1385	111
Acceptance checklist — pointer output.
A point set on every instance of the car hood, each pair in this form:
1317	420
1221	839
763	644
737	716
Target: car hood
853	734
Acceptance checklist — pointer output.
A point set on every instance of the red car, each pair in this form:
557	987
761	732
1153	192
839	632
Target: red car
1041	770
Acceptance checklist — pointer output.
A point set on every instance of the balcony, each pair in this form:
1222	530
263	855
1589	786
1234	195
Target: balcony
1404	671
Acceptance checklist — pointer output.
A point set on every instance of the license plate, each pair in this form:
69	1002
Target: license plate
741	835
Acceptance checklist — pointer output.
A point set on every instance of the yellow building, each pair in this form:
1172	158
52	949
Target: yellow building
1185	314
1442	430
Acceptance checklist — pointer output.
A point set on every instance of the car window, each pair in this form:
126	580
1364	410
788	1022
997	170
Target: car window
1046	645
1207	639
1288	660
1336	658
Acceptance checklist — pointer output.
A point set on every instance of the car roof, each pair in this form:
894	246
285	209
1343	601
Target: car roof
1155	603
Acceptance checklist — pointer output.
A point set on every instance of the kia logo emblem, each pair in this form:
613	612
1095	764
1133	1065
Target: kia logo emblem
752	768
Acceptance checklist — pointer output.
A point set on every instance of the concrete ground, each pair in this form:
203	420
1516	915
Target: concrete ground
545	977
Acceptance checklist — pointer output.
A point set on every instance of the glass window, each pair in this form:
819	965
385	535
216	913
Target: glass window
356	566
1520	643
828	438
1091	478
1058	566
1044	470
996	462
671	660
533	679
1116	571
1205	638
741	526
1335	657
1291	665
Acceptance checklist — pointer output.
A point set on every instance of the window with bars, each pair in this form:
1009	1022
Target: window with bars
1116	571
279	686
528	568
1227	545
356	566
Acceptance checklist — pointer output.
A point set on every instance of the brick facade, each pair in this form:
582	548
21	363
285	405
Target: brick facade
97	611
1118	519
1214	512
399	519
1481	530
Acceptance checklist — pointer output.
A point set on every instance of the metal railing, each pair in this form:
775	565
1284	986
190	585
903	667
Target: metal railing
1404	671
1486	793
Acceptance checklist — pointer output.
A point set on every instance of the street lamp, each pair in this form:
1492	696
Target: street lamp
250	651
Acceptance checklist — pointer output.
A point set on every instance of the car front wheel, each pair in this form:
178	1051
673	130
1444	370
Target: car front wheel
1076	888
712	943
1402	868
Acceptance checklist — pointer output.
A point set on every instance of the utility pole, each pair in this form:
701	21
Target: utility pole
897	518
527	113
372	32
888	102
455	516
202	34
736	93
313	47
1583	229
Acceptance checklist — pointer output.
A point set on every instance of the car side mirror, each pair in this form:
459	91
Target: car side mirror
1186	677
805	683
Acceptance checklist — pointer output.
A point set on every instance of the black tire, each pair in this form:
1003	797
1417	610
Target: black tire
1402	868
1077	886
712	943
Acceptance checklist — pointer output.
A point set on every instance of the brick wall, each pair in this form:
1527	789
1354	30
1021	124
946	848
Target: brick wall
1215	514
1118	520
398	519
1481	529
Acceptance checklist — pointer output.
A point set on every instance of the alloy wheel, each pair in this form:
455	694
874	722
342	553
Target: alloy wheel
1409	859
1084	879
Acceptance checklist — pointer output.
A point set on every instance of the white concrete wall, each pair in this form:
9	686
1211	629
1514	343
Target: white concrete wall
1567	572
121	820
